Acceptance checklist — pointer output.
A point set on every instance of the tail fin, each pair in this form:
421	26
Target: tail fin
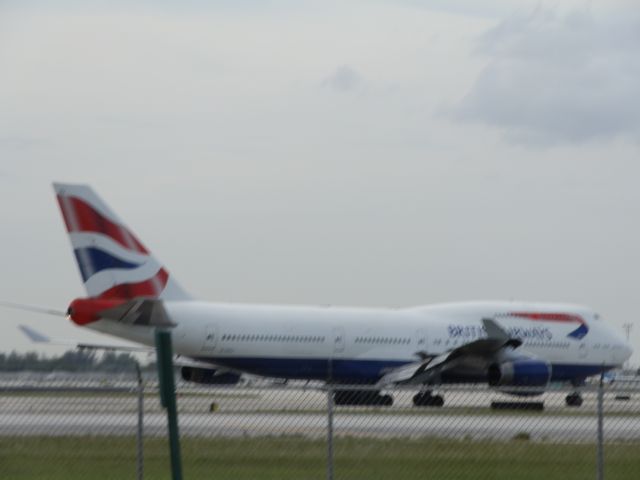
113	263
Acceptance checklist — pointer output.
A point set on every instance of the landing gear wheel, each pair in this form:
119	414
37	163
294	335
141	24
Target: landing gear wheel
573	400
426	399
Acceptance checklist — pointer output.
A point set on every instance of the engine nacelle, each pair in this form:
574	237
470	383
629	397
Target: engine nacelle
208	376
520	373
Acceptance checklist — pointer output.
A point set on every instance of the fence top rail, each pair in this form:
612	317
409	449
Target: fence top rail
151	386
469	388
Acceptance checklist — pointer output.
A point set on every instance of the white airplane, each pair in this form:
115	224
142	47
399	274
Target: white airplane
507	344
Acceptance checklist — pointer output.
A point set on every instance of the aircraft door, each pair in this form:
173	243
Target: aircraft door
338	340
210	338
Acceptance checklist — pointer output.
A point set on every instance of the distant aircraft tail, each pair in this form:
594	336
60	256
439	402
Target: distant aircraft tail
113	263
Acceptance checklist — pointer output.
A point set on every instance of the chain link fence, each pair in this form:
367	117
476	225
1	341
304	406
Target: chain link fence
108	427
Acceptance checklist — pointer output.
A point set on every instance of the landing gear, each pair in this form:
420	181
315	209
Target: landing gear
573	400
426	399
358	397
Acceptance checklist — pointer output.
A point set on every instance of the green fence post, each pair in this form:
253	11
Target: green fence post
168	397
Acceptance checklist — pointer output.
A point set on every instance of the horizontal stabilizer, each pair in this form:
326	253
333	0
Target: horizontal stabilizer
38	337
33	335
33	308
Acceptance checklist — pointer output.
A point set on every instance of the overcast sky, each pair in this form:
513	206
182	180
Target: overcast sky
370	153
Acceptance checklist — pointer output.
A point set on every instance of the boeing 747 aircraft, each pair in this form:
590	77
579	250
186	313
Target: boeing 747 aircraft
507	344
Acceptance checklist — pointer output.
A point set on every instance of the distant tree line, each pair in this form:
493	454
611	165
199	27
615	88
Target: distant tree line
70	361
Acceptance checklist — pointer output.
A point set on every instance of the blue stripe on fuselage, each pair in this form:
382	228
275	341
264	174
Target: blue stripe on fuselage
365	371
344	370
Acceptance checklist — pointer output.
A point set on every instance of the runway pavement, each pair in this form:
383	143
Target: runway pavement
313	425
242	412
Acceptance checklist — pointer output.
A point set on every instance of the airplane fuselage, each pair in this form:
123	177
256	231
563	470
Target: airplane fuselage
362	344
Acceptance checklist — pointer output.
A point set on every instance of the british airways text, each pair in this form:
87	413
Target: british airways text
478	331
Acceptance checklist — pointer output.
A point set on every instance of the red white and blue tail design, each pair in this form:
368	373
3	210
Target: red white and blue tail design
113	263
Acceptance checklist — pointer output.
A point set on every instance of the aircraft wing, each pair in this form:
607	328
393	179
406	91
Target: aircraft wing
39	337
430	366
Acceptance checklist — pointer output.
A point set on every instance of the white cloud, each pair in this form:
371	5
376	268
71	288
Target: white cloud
343	79
558	77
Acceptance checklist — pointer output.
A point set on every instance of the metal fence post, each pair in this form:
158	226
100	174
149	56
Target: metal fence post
600	453
329	431
140	430
168	398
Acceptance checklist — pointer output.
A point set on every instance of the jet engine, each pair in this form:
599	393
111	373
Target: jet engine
520	373
208	376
